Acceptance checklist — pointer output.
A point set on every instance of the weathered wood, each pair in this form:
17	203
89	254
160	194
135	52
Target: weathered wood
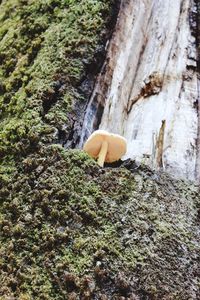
150	79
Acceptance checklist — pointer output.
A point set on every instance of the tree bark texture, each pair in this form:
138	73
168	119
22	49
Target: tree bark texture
148	89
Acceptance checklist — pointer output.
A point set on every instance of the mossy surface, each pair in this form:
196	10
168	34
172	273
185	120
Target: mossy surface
69	229
46	49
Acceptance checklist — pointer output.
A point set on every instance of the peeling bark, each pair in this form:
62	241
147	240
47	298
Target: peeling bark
150	75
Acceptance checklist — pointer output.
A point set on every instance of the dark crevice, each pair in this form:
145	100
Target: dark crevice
99	114
61	136
85	87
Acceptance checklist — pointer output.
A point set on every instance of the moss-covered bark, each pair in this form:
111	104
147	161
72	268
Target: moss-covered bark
69	229
46	51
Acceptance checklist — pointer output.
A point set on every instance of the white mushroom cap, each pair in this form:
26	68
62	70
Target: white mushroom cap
117	145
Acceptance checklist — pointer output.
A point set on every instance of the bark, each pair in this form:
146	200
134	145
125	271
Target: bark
148	89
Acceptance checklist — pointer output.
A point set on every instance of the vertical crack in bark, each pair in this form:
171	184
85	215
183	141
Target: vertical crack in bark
160	145
95	107
71	135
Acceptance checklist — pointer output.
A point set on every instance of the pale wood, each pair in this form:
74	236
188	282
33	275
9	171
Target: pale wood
149	86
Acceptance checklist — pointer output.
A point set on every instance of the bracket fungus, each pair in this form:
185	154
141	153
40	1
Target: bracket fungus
105	146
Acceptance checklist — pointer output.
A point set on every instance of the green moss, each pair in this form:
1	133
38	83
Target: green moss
66	218
42	51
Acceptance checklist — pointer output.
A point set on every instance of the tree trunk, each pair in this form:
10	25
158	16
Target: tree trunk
70	229
148	89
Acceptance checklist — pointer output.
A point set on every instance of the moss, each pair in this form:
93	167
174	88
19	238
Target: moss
43	48
65	215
